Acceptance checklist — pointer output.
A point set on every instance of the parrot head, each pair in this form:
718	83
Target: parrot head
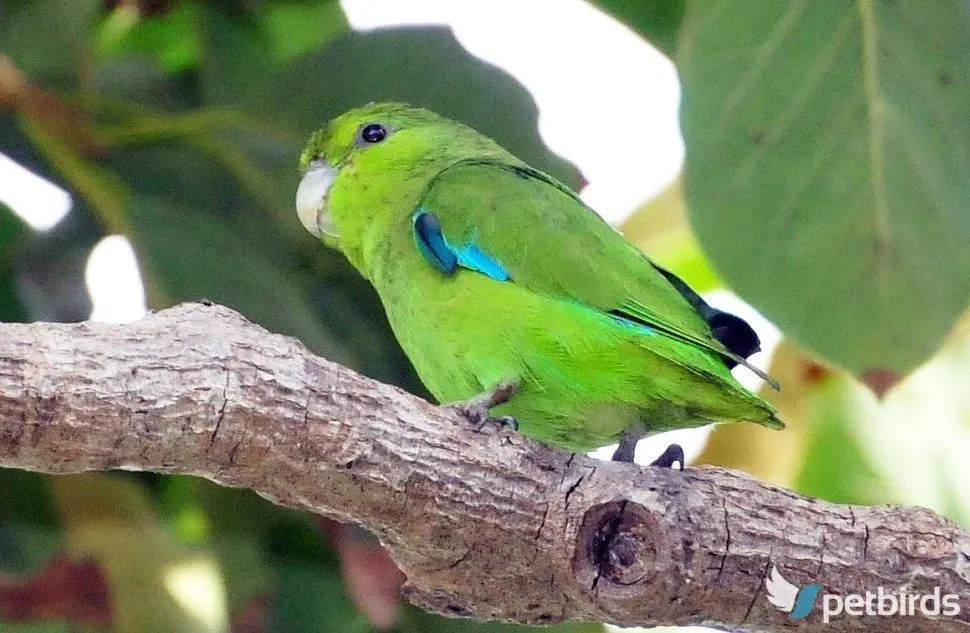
373	154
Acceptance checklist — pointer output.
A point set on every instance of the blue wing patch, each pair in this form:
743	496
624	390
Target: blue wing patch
445	257
474	258
432	243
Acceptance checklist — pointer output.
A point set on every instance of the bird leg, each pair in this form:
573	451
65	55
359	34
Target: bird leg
674	454
627	448
628	445
476	409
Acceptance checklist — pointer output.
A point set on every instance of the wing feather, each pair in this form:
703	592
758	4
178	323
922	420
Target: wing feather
550	242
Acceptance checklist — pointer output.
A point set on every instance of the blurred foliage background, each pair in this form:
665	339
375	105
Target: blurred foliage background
827	182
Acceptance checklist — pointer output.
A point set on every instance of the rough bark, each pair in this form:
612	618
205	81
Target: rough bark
483	523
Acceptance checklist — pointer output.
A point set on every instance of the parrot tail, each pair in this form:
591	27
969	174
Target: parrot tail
771	421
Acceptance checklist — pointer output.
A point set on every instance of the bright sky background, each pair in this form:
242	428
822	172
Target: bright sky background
40	203
607	101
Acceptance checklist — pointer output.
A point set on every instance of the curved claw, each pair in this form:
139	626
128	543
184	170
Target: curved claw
505	421
476	409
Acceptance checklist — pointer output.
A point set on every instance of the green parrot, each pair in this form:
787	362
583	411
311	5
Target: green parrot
510	296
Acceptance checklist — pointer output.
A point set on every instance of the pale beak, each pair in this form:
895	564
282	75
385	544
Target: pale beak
311	198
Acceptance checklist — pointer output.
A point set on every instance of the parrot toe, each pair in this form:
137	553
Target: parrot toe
504	421
673	455
476	409
479	417
625	451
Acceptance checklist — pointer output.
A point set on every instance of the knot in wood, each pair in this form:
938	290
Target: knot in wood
617	546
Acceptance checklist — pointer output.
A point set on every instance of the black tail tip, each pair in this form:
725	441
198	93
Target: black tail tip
735	334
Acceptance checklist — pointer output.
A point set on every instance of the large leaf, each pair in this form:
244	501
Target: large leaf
828	149
658	21
917	436
423	66
46	38
244	49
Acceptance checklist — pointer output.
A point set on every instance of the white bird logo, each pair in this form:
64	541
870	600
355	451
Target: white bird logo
781	593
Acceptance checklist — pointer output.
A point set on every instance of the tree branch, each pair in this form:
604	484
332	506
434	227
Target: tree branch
486	524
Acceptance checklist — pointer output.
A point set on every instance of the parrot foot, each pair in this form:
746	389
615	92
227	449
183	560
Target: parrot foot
674	454
476	409
625	451
504	421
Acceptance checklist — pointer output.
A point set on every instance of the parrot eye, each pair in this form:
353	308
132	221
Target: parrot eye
373	133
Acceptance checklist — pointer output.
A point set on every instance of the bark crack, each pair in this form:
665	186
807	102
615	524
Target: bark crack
757	592
460	559
727	541
220	416
572	489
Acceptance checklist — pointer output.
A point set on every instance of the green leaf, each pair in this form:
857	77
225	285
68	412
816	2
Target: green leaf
244	50
296	28
47	39
827	154
836	466
311	598
24	497
173	37
657	21
423	66
310	591
917	436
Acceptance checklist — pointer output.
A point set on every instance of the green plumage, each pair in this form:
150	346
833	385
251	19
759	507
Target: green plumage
601	340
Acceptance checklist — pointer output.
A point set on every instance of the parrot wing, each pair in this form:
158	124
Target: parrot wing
518	225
